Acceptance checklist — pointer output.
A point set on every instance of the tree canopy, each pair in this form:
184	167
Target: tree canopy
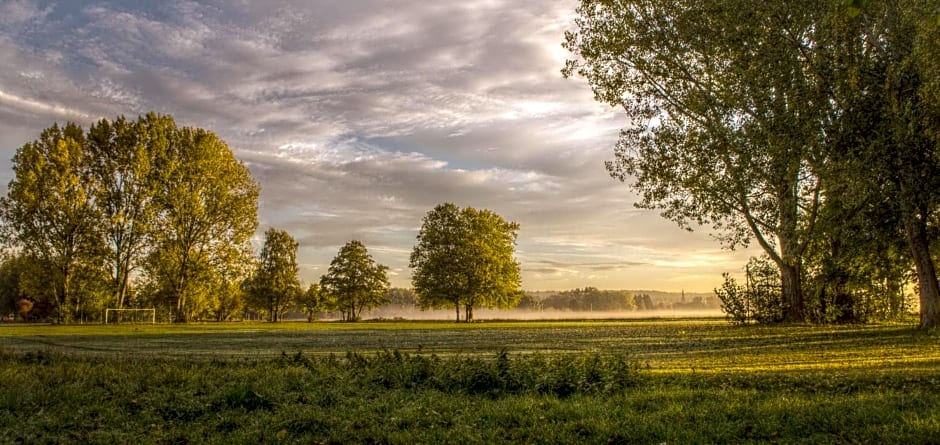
50	213
464	257
274	285
743	114
208	206
123	165
355	281
82	206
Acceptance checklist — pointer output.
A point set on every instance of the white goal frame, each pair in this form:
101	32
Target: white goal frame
153	314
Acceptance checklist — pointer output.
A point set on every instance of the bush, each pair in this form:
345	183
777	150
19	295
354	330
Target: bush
492	377
759	300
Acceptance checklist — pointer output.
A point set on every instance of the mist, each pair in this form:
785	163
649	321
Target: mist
547	314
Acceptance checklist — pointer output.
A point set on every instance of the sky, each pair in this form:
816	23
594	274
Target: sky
357	117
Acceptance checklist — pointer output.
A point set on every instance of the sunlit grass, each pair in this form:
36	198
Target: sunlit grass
701	381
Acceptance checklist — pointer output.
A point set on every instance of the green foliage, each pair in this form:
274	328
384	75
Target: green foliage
735	301
401	297
499	377
783	123
313	301
227	301
274	286
893	112
207	211
758	300
14	287
354	281
50	213
464	257
127	193
124	156
717	137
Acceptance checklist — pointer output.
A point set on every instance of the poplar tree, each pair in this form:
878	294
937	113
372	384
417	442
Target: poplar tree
207	206
274	286
123	155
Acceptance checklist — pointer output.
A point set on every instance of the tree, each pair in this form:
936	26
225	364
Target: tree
274	286
464	257
742	112
313	301
50	213
402	297
122	166
206	213
227	300
897	49
591	299
354	281
15	271
879	63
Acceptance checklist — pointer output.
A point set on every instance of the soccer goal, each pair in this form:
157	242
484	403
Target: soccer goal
130	316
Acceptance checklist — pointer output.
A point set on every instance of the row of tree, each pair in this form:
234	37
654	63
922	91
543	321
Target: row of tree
354	281
588	299
463	258
148	214
810	128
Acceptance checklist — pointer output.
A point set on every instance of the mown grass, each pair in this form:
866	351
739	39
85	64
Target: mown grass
558	382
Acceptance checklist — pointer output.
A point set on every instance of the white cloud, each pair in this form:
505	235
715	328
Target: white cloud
60	110
358	117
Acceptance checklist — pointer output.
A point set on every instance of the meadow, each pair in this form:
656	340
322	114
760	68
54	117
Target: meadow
636	381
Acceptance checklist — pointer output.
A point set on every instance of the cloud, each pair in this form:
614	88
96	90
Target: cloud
359	117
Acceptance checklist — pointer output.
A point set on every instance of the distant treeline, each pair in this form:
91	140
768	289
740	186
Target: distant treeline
594	299
586	300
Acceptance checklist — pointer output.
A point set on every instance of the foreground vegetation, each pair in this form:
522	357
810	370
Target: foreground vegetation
592	382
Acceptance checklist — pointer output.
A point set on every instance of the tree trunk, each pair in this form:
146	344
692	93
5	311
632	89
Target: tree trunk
791	253
792	289
929	290
180	297
123	279
469	313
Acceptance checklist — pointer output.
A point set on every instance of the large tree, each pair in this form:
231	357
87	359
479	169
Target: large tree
122	166
892	96
727	115
355	281
207	206
464	258
274	285
760	117
50	213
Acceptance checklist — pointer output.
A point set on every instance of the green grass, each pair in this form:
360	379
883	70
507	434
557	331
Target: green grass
700	381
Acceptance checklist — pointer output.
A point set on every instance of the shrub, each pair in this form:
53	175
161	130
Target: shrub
492	377
760	299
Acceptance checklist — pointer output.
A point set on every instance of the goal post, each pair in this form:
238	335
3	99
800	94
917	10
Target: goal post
114	315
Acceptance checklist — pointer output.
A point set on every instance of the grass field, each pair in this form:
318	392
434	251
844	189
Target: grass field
644	381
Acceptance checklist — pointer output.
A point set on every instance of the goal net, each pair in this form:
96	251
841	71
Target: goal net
130	316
